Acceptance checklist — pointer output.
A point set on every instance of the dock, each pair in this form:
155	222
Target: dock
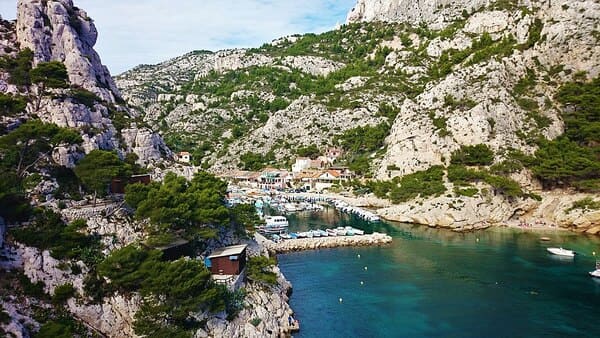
300	244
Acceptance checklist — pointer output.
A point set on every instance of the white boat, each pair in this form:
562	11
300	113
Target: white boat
358	231
331	232
276	221
596	273
340	231
561	252
274	225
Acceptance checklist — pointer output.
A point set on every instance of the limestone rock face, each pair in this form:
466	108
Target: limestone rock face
57	30
147	145
113	317
437	13
495	116
270	305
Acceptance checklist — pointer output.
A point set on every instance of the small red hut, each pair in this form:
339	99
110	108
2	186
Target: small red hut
230	260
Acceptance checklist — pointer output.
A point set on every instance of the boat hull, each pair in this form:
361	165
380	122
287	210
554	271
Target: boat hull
561	252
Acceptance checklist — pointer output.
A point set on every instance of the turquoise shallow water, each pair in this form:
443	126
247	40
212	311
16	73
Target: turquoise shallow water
437	283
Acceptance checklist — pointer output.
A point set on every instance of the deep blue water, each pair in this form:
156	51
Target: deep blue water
437	283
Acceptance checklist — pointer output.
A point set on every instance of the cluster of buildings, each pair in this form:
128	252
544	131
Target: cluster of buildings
307	174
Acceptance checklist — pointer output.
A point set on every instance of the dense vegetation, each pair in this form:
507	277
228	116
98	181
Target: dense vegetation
23	152
178	207
480	154
573	159
260	270
171	290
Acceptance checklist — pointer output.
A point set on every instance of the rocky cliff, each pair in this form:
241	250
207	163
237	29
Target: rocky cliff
59	31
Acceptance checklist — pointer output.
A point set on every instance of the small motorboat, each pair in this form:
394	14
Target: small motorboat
358	231
545	239
561	252
332	232
596	273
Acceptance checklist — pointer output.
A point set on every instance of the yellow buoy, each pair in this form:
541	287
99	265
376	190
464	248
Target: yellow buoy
477	239
594	253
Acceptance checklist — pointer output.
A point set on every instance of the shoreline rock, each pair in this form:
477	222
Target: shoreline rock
374	239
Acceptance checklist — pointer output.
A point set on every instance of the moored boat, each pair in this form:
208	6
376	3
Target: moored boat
596	273
331	232
561	252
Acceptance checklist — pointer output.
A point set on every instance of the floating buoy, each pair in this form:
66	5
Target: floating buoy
341	300
358	255
361	282
365	268
477	239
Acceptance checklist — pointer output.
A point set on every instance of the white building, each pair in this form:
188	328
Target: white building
302	163
183	157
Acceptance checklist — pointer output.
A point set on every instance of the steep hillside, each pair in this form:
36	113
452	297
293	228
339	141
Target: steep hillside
301	90
417	92
57	31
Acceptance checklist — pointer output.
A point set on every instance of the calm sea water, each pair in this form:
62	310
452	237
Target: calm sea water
437	283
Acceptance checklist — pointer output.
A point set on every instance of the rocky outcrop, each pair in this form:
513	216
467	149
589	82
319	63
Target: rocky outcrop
269	304
113	317
146	144
488	109
435	13
57	30
479	212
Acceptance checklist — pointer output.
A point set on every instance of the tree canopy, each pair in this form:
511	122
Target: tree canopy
177	204
98	168
51	74
165	310
479	154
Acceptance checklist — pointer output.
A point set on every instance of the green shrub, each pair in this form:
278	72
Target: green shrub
49	232
259	270
468	192
51	74
10	105
480	154
420	184
504	185
256	161
85	97
364	139
62	293
19	67
311	151
56	329
461	175
585	204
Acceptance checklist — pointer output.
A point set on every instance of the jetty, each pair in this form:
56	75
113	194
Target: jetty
300	244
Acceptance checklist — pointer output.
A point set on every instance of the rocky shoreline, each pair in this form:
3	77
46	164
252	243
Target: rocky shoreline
554	211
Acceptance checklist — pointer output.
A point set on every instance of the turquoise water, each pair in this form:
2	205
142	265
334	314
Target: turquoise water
437	283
